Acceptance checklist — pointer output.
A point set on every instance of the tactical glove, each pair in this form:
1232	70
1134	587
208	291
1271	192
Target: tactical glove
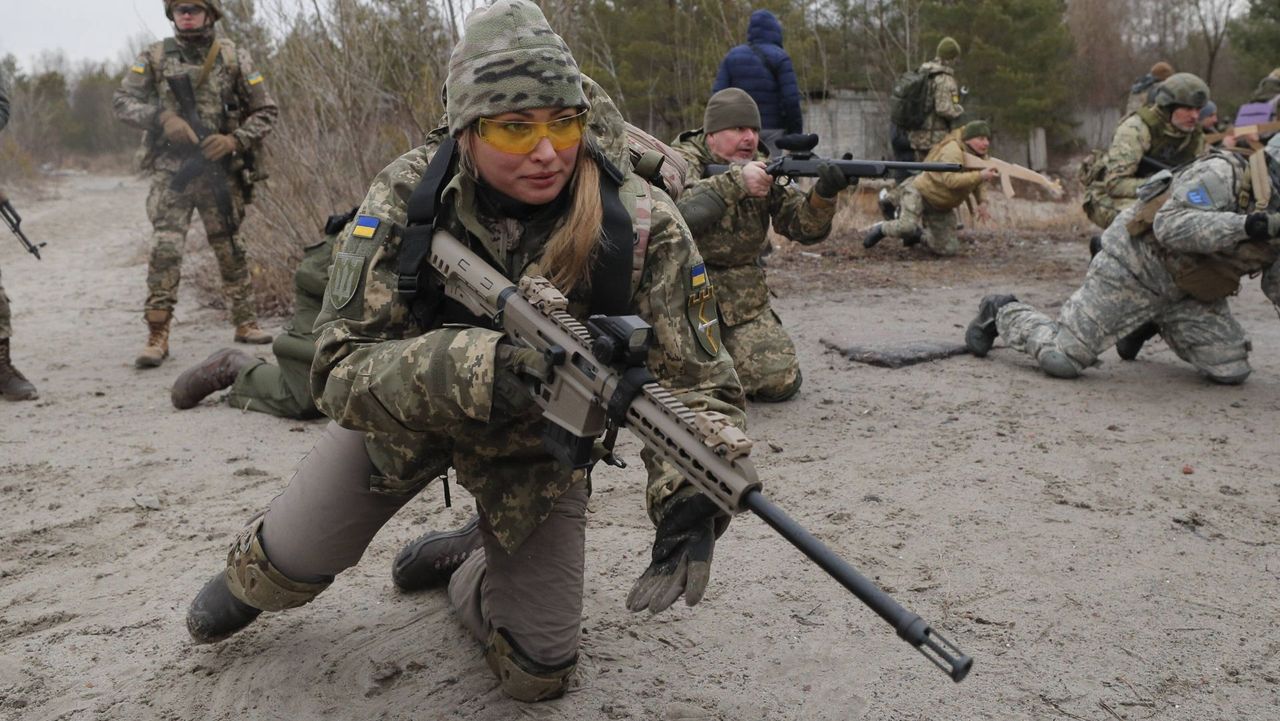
831	180
1262	226
217	147
176	130
682	548
514	367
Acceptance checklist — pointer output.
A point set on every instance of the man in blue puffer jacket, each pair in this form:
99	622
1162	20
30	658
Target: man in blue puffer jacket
763	69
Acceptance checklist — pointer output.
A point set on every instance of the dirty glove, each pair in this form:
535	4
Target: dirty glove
682	548
831	180
217	146
176	130
1262	226
515	366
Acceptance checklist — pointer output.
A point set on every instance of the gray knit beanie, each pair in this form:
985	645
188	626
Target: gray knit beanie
730	108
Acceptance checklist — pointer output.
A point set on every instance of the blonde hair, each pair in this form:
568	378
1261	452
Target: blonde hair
569	252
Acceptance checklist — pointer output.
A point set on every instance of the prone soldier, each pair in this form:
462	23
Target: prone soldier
217	138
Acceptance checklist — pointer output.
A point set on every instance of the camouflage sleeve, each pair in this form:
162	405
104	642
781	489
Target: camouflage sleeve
1201	215
375	369
946	96
796	217
135	102
1128	146
688	356
260	108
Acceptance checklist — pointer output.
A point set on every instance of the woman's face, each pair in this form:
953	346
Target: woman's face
534	176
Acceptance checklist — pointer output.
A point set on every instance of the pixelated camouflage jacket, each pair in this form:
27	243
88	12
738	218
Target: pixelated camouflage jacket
233	99
1135	138
946	191
945	107
425	395
732	245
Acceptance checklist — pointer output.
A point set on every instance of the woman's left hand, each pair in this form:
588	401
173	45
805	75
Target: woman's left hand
682	548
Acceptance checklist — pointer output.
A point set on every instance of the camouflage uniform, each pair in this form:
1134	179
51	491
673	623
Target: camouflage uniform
284	389
232	100
1145	277
946	107
423	390
762	352
927	202
1113	184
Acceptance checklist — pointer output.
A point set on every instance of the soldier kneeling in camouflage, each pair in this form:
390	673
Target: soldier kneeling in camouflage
1173	259
729	215
534	174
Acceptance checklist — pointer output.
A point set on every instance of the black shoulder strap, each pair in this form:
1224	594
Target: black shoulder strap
611	271
424	203
765	61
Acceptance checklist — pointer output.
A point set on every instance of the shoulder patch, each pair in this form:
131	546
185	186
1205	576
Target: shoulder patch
704	319
344	278
138	68
254	79
1199	197
366	226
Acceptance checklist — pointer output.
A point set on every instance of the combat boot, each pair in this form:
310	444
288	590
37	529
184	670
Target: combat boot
158	341
875	235
13	385
913	238
888	210
1095	246
981	333
249	332
1128	346
216	614
216	372
429	561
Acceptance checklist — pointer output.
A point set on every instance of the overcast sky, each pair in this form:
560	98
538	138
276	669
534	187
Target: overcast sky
85	29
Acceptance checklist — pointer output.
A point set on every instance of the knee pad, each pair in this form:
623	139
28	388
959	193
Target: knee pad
254	580
522	678
1228	374
1058	364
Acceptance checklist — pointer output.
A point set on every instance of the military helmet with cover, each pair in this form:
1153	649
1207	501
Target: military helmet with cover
1182	89
212	7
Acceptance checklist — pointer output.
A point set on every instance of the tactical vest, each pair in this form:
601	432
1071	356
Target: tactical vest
1210	277
1169	150
153	141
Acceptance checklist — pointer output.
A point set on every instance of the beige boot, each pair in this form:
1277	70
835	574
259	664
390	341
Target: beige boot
158	342
13	385
249	332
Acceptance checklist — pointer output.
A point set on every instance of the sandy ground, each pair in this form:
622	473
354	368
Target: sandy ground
1105	548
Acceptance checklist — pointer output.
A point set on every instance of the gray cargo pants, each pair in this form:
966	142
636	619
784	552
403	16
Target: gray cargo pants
326	517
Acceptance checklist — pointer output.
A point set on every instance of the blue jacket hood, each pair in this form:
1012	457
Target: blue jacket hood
764	28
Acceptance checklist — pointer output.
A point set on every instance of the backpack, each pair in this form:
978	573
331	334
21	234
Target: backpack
656	162
912	99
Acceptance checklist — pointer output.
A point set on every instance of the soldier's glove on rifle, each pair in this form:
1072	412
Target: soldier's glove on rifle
831	180
176	130
514	368
217	146
1262	226
682	548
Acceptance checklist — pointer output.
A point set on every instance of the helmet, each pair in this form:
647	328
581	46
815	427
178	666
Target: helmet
210	6
1182	89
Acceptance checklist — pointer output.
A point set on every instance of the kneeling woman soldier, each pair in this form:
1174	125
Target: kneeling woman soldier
541	185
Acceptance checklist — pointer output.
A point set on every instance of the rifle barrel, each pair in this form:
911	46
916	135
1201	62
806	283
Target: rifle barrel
911	628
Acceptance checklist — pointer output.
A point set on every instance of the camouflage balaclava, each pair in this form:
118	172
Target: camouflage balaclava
509	59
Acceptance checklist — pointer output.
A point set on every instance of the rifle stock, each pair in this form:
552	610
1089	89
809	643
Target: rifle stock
589	394
14	221
1008	171
789	166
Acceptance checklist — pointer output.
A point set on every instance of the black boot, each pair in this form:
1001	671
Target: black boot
1128	346
429	561
1095	245
13	385
875	235
981	333
888	210
913	238
215	614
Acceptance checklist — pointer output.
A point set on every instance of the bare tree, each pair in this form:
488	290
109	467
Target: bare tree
1213	18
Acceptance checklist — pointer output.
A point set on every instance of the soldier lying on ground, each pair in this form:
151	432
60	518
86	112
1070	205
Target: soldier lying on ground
1172	259
426	386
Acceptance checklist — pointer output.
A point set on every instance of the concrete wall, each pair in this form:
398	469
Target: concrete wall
849	121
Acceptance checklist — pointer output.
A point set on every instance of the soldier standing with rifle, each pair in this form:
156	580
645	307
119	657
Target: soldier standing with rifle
205	111
13	385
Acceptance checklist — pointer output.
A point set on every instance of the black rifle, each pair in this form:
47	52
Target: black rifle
14	221
1150	166
195	165
800	162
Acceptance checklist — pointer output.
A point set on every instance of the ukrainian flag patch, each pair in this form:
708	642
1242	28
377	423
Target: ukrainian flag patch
366	226
255	78
138	68
698	276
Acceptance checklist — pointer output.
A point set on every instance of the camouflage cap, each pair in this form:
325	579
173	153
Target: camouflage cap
509	59
948	49
215	11
730	108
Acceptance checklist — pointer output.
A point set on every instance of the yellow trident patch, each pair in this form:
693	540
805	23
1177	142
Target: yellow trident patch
701	310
